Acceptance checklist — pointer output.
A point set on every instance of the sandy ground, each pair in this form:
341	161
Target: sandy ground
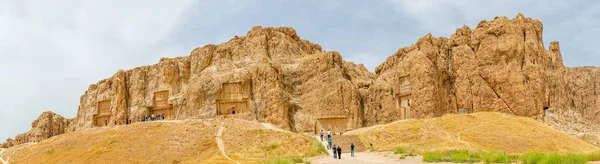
374	158
364	157
221	145
367	158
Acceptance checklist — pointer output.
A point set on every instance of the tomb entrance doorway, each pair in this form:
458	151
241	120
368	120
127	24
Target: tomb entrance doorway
233	98
160	104
102	113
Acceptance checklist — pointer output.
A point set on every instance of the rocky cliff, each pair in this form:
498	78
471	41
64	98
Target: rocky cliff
48	124
501	65
271	75
291	82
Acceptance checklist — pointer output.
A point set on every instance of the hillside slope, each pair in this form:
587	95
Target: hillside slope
485	130
166	142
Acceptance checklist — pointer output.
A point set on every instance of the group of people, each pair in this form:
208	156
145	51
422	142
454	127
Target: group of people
152	117
337	150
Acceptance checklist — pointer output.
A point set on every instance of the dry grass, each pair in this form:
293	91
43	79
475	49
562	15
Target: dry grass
477	131
165	142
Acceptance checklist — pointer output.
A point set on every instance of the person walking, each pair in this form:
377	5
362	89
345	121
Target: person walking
329	143
352	150
334	152
321	135
328	133
339	151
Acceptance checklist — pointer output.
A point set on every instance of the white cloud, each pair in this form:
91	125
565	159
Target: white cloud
52	50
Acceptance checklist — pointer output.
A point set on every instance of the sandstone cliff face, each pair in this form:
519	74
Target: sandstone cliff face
501	65
48	124
271	75
292	82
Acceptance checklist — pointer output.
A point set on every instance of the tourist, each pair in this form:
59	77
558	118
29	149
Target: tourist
334	133
321	135
334	152
339	151
330	141
352	149
328	134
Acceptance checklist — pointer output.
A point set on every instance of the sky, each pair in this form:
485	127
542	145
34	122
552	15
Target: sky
51	51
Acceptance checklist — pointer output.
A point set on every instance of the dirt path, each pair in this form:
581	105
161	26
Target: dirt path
2	157
359	157
366	157
221	145
272	127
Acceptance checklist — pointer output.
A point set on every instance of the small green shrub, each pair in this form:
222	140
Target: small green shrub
286	160
402	157
411	153
562	158
496	157
280	160
298	160
532	158
462	156
466	156
594	156
399	150
433	157
315	149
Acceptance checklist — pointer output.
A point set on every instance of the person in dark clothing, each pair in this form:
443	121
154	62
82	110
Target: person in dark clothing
339	151
334	152
352	150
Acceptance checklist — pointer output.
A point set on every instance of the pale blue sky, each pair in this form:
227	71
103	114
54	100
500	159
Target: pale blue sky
51	51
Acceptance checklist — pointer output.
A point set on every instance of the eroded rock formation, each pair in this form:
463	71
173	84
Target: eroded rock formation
48	124
501	65
271	75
